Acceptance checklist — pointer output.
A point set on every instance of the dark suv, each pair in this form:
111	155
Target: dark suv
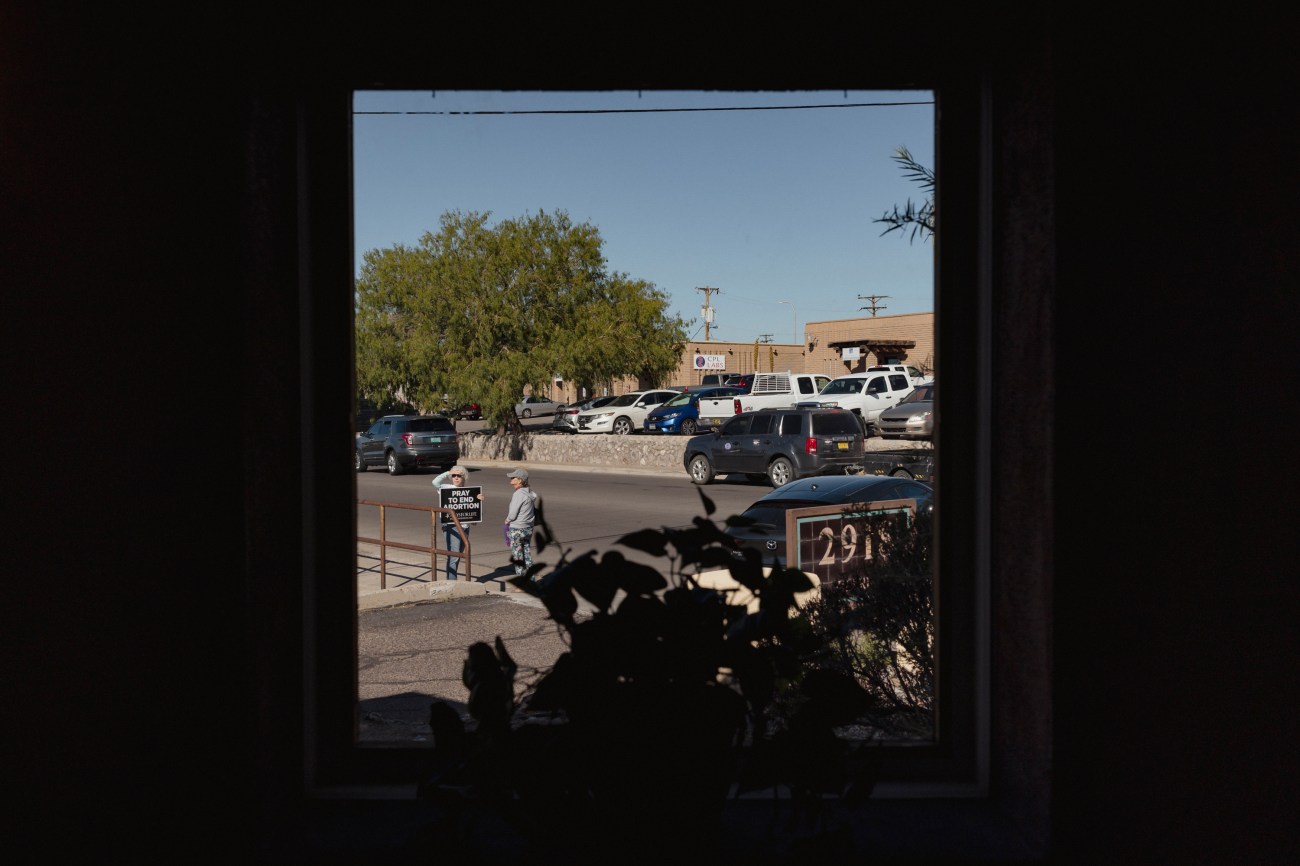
779	445
402	442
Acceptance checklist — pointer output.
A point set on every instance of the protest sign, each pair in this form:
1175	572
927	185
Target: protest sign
464	501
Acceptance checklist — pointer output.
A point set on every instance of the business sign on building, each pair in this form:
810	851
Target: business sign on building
851	353
710	362
462	500
833	541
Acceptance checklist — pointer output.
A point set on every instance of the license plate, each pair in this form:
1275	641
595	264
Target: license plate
434	440
843	446
651	427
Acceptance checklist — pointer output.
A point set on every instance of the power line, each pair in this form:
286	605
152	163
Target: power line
654	110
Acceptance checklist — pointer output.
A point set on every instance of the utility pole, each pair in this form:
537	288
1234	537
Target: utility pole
706	312
873	299
765	338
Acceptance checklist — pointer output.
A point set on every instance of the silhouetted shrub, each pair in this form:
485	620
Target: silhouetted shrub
663	704
877	626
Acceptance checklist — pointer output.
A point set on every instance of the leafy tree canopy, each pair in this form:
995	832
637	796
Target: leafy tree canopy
481	312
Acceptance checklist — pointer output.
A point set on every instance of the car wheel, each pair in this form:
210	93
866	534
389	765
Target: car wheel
701	469
688	427
358	462
622	425
901	473
872	430
394	468
780	472
527	413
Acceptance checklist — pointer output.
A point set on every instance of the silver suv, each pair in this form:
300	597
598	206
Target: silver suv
779	445
402	442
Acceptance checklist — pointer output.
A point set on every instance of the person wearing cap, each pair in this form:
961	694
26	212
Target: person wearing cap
453	477
520	518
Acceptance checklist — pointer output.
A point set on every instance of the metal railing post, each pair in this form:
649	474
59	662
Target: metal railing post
432	550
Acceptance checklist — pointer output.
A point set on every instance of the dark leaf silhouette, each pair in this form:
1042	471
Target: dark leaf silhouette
669	695
649	541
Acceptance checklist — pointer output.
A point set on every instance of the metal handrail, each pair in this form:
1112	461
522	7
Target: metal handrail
433	550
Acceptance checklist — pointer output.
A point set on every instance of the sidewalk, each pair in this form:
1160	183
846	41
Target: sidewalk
407	578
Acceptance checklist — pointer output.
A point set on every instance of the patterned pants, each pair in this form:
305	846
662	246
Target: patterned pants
521	554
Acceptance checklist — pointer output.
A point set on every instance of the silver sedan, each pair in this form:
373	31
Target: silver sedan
533	406
912	418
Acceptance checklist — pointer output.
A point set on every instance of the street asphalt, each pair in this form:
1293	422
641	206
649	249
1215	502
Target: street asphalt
405	574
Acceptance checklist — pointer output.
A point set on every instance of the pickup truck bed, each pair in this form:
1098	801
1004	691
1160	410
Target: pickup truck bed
915	463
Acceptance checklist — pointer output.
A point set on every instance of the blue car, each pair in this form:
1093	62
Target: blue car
681	414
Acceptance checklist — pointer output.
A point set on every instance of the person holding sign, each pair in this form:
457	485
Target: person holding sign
465	501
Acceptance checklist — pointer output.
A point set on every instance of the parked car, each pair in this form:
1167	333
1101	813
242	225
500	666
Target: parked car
912	418
465	411
402	442
566	419
767	532
733	380
534	406
624	414
779	445
866	394
681	414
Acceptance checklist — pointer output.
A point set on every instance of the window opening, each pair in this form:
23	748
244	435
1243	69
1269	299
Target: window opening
370	239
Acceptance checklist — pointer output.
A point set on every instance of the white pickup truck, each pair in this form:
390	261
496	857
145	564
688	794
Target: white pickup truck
768	391
867	393
913	374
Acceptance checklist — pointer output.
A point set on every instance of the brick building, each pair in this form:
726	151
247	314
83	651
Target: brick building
904	338
907	338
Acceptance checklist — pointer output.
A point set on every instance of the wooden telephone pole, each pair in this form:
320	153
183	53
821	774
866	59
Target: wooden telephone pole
706	311
873	299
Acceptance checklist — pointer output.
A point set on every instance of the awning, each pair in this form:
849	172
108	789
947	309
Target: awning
869	345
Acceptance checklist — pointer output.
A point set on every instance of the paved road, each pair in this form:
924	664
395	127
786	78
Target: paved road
410	655
587	510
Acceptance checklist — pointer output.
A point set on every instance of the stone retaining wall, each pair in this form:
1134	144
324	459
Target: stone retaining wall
639	451
645	452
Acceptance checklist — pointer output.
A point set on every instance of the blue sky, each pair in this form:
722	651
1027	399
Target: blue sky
764	205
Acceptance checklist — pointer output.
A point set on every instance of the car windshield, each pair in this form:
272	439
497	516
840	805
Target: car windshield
682	400
843	386
625	400
921	394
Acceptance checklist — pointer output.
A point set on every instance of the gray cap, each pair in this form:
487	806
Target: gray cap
521	474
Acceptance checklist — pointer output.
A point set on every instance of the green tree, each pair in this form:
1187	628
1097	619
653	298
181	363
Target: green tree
920	218
481	312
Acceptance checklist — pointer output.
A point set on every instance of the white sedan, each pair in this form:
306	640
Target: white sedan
625	414
531	406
